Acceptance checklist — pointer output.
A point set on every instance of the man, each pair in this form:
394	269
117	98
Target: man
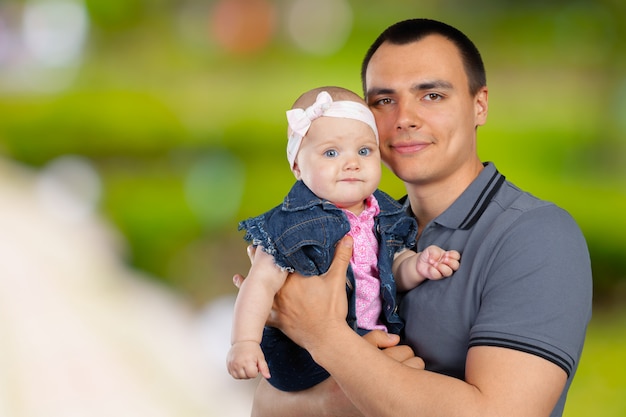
503	336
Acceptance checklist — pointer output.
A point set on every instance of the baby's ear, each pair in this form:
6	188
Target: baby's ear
296	171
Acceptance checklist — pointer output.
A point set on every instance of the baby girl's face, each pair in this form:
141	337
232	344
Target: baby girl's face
339	161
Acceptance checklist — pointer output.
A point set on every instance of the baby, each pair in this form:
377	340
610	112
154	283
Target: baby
333	152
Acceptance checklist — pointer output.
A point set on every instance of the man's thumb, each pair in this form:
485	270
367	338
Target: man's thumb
341	260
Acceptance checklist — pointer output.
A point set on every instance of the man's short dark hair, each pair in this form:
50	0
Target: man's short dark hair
413	30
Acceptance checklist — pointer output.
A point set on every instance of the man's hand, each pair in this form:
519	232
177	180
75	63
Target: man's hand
389	342
306	307
380	339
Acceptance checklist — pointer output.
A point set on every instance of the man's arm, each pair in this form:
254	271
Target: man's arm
498	381
269	401
323	399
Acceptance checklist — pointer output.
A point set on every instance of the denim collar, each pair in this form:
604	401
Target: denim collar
300	197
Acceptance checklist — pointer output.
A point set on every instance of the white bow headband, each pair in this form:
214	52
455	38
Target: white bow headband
299	120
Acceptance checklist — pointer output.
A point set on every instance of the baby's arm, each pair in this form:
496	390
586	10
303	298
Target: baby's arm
410	268
252	309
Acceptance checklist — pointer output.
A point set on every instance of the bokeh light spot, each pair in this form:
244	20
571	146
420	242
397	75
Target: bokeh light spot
243	26
55	31
319	27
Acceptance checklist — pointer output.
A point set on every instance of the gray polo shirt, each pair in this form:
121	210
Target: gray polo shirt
524	282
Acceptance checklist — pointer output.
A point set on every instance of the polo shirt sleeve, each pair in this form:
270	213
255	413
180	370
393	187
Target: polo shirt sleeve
536	294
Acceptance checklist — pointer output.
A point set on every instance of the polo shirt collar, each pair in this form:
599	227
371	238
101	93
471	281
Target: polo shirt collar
476	197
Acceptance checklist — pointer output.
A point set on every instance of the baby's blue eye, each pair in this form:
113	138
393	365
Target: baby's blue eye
331	153
365	151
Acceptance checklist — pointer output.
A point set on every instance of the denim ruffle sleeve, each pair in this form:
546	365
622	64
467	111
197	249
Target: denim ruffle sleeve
258	235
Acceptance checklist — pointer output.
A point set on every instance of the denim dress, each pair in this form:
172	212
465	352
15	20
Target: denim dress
301	235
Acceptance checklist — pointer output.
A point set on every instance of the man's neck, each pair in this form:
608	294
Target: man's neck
430	200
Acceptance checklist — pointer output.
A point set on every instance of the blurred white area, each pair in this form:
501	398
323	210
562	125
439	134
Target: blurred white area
69	187
41	44
54	31
82	335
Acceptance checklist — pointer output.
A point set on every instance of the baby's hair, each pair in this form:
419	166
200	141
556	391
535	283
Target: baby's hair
337	94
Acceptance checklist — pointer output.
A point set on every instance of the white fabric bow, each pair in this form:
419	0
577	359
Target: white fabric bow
299	120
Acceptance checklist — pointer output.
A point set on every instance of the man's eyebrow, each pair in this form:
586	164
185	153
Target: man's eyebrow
421	86
432	85
379	91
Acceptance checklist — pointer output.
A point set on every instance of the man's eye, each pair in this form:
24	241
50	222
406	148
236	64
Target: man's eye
433	97
331	153
380	102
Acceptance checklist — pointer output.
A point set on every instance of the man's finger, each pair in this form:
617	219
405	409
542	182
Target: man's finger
251	250
415	362
343	253
389	342
238	280
381	339
400	353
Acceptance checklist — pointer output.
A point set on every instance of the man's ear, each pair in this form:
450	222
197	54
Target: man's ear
481	103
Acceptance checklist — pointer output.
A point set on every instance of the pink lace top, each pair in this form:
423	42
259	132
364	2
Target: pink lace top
364	264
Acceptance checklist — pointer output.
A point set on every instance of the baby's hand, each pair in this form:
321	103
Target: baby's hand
246	360
436	263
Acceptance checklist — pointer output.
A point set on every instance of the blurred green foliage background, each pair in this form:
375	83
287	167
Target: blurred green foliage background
178	106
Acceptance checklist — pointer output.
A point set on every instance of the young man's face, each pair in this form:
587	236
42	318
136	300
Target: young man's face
425	114
339	161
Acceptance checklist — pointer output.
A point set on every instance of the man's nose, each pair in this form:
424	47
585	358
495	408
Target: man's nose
408	114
